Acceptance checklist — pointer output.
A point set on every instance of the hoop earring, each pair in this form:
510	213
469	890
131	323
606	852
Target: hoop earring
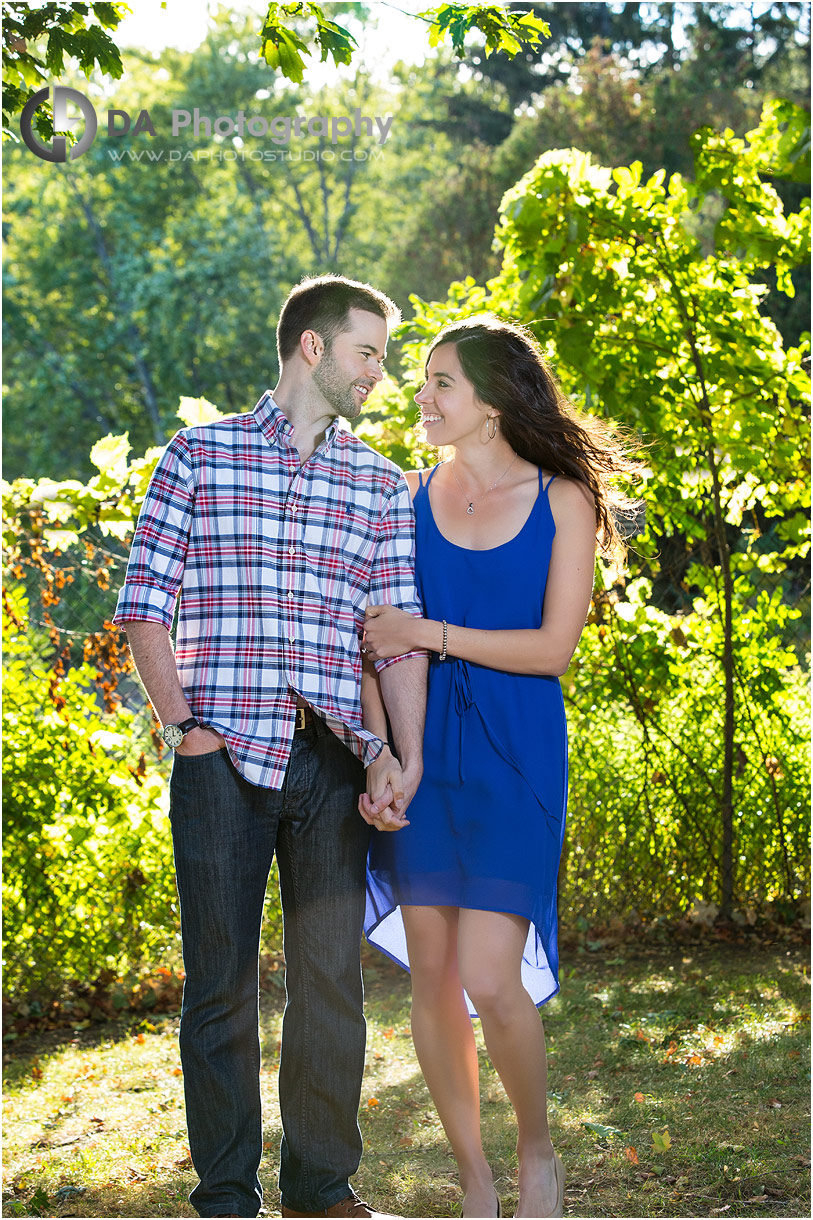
489	420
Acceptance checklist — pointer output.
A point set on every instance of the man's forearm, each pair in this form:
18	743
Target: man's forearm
403	686
155	662
373	715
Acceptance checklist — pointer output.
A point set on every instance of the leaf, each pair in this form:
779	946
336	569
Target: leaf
631	1155
639	1097
39	1203
195	411
109	455
661	1140
603	1132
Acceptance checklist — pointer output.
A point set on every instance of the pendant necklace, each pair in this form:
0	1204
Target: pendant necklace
471	503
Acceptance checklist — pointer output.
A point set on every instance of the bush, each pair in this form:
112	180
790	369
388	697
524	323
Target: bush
86	849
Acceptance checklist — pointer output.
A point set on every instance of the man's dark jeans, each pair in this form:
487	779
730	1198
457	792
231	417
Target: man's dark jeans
225	832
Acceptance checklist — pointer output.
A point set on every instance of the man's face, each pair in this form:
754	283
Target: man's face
351	365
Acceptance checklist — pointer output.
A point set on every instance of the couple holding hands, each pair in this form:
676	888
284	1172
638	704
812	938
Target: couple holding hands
364	683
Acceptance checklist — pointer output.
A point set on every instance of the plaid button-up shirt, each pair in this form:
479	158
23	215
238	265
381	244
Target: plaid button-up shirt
275	564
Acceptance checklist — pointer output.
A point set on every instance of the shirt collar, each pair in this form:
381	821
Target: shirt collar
277	428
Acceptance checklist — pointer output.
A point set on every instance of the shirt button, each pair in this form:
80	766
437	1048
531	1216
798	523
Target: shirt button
291	640
291	550
294	508
290	592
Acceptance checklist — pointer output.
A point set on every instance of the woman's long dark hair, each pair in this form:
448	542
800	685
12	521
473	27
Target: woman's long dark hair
505	365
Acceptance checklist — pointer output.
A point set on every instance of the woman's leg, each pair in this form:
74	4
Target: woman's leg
490	947
445	1046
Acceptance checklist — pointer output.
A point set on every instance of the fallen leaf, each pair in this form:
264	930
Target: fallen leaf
601	1131
718	1211
372	1103
389	1033
139	1037
661	1140
694	1060
592	1075
774	1103
757	1199
405	1141
631	1155
639	1097
177	1071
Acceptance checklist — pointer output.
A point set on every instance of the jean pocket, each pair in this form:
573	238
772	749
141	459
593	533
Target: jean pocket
193	758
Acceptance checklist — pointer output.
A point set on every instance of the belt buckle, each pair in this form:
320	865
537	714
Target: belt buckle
300	718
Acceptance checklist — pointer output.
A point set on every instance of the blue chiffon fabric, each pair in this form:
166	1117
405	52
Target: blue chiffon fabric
487	822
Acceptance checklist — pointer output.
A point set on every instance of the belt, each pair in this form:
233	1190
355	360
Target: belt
305	719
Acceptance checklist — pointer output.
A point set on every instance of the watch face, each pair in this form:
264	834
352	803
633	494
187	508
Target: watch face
172	735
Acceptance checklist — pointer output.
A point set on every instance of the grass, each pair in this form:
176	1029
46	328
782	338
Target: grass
691	1064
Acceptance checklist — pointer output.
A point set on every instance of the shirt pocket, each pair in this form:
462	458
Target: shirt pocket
340	537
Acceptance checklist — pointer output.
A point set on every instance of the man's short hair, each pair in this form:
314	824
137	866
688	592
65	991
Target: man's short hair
322	303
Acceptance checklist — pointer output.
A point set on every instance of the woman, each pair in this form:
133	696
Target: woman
464	894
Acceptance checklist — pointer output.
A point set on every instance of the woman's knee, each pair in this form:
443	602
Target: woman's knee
432	948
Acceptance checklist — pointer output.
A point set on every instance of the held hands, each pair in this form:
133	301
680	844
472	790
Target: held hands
389	791
388	632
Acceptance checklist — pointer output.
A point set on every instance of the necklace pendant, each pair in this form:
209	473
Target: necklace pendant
470	509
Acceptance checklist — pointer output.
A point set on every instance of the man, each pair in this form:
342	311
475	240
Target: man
277	526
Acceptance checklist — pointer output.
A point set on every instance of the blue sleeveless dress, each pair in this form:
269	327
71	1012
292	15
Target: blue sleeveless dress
487	822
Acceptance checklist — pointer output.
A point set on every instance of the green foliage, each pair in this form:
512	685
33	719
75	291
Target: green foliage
505	30
283	47
89	887
645	709
286	40
66	28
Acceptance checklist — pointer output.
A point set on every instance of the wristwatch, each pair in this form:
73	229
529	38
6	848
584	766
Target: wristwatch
174	734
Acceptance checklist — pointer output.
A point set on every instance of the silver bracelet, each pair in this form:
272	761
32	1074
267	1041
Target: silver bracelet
442	655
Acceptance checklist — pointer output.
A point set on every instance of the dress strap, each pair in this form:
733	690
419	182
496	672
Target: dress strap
545	486
433	473
420	478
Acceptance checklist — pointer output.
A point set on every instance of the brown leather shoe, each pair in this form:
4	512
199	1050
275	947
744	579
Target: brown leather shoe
351	1206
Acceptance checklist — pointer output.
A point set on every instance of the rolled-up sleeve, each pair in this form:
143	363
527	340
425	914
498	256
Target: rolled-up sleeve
156	565
392	580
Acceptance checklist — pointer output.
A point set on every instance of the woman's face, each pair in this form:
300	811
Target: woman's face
450	408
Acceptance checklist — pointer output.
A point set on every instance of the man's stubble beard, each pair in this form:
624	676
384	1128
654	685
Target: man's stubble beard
332	385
